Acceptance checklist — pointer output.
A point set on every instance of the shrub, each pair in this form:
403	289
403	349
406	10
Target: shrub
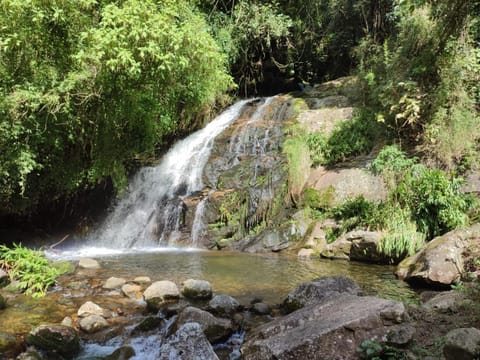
34	272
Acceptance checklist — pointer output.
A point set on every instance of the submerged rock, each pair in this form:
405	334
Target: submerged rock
161	293
215	329
440	262
188	343
224	305
330	330
197	289
462	344
59	339
321	289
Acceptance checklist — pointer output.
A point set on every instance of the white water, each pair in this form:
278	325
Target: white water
150	213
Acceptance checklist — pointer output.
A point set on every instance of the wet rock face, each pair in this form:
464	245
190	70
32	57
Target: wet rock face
317	291
331	330
59	339
188	343
246	171
441	261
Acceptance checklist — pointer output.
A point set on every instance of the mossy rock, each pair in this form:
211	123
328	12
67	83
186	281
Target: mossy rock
8	343
64	267
59	339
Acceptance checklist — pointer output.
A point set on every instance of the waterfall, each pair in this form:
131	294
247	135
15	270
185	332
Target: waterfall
151	211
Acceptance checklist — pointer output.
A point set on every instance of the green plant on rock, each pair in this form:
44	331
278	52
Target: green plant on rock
33	271
372	350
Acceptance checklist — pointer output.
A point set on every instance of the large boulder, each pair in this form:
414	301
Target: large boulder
331	330
441	261
224	305
188	343
160	294
197	289
462	344
318	290
215	329
58	339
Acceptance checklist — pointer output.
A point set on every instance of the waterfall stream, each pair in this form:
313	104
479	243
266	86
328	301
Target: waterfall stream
152	210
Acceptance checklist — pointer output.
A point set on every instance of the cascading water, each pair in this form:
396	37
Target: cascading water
151	212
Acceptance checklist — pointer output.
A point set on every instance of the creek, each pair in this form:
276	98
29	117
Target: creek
171	211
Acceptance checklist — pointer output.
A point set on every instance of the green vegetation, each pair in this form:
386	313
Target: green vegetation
88	88
34	273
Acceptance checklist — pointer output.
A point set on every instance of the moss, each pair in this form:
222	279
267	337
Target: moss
319	199
64	267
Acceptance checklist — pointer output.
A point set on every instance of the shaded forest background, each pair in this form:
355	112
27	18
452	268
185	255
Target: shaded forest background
92	89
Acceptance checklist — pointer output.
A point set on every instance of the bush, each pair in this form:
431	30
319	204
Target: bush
34	272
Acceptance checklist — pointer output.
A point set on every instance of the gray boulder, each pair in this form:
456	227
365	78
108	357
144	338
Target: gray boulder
161	294
188	343
197	289
440	262
462	344
331	330
321	289
215	329
224	305
59	339
445	301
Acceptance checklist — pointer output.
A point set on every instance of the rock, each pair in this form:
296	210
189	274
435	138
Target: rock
64	267
440	262
123	353
147	324
445	301
224	305
90	308
60	339
161	293
261	308
142	280
215	329
114	283
67	321
3	302
8	343
29	355
318	290
197	289
188	343
87	263
348	182
305	254
400	335
317	238
132	291
302	220
365	246
330	330
273	240
339	249
92	323
4	278
462	344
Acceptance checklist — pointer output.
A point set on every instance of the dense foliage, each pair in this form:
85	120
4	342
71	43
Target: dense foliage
90	88
86	87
